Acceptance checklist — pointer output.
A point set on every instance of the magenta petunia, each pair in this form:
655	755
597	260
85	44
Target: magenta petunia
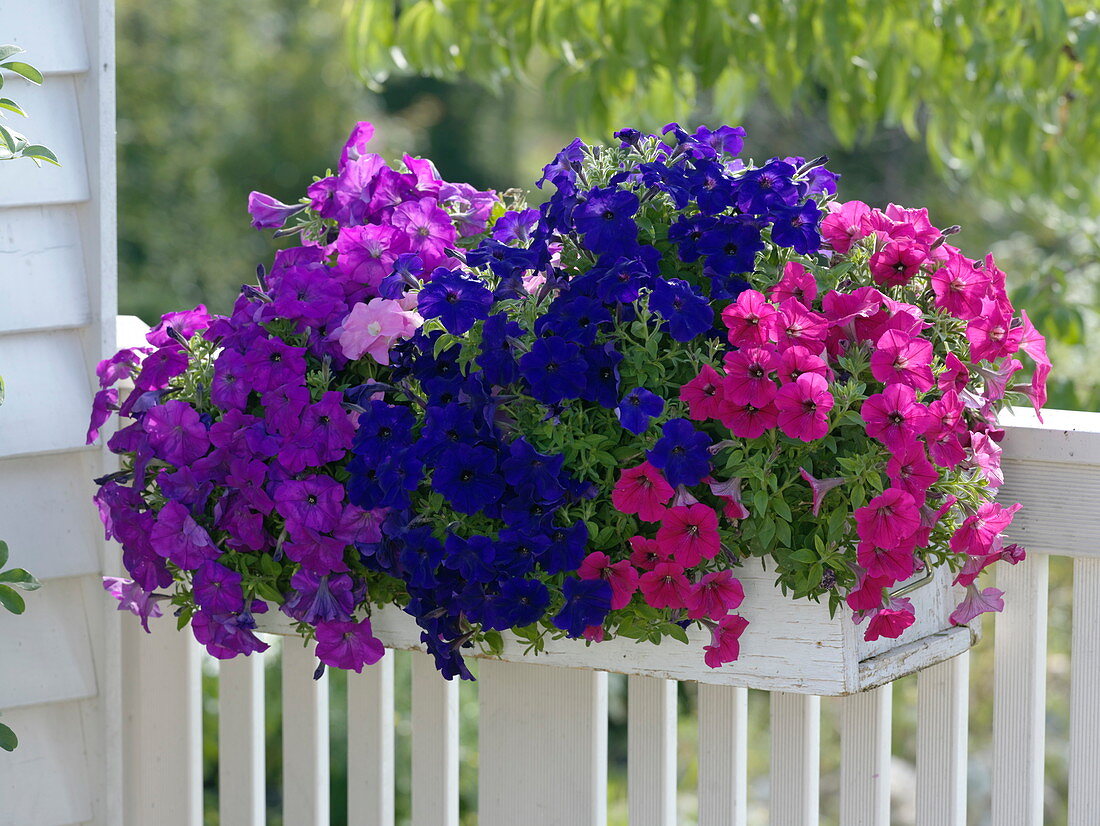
750	319
665	586
797	326
903	359
896	263
748	377
976	603
715	595
797	283
725	645
979	530
621	576
641	490
703	395
888	564
910	470
689	534
748	422
844	224
889	519
796	360
428	228
803	407
895	417
890	621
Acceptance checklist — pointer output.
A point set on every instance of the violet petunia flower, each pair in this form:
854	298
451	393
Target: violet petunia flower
132	597
348	645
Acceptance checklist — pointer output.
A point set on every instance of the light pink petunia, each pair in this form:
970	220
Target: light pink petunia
976	603
725	646
819	487
373	328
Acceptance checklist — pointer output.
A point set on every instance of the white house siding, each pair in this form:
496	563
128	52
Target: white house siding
57	309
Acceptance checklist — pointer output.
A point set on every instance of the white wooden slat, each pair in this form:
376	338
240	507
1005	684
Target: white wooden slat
162	723
305	738
42	276
1019	694
1084	704
543	746
723	755
55	48
943	693
796	757
46	781
241	759
54	120
54	622
434	745
371	745
865	757
651	743
36	367
67	543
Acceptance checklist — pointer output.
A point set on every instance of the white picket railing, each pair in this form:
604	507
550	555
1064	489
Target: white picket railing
543	731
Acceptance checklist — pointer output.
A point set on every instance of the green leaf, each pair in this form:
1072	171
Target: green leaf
268	592
9	139
8	740
12	106
38	152
10	50
10	599
21	579
3	553
24	69
676	632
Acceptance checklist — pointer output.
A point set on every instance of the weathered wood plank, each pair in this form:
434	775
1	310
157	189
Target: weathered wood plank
435	746
796	758
943	693
54	120
543	746
305	738
865	757
42	275
55	623
1019	694
723	719
1084	704
66	543
371	745
651	744
241	754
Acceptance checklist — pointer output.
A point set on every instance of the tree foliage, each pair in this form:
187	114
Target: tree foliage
996	85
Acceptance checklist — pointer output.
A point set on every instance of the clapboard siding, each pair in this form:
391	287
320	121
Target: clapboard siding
47	780
65	543
56	48
54	119
59	662
42	273
49	393
54	623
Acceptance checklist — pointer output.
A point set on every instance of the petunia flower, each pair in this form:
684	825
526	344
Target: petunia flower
715	595
748	422
703	395
748	377
843	224
621	575
750	319
217	588
637	408
725	639
176	433
456	299
910	470
899	358
978	531
958	287
803	407
641	490
135	599
976	603
681	453
890	621
554	369
375	327
180	539
888	564
797	283
646	553
348	645
889	519
896	263
665	586
797	326
687	313
429	229
689	534
819	487
587	603
895	417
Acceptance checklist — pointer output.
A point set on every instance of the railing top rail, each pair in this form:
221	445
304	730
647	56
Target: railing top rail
1071	436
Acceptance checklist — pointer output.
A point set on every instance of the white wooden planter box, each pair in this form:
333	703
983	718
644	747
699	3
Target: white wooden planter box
790	645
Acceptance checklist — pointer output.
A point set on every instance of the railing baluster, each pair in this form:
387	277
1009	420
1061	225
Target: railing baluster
865	757
651	743
1084	704
796	758
305	738
370	745
943	693
434	745
543	744
162	719
241	796
1019	689
723	755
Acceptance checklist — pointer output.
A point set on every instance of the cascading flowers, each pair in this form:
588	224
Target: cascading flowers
576	420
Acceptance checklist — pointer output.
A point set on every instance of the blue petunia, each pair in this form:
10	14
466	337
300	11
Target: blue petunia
688	314
605	219
456	299
587	602
637	408
554	369
797	228
681	453
466	477
731	245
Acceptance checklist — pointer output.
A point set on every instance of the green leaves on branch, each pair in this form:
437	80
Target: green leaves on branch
996	86
14	145
11	579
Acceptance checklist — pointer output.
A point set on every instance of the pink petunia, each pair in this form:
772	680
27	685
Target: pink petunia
889	564
868	594
714	596
959	287
954	376
977	533
819	487
748	377
797	360
795	325
976	603
704	395
843	225
1034	345
889	519
903	359
896	263
894	416
730	494
986	457
910	470
750	319
991	334
913	223
620	575
665	586
641	490
747	422
689	534
890	621
797	282
804	406
373	328
646	553
725	646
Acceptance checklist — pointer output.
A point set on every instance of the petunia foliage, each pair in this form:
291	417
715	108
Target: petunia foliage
579	420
